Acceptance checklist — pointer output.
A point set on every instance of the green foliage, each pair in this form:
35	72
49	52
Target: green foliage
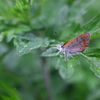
30	26
11	93
94	65
50	52
28	42
66	69
92	52
93	25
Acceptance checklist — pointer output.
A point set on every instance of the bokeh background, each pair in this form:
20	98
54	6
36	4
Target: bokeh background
31	76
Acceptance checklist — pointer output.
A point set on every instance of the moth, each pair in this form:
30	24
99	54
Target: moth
75	45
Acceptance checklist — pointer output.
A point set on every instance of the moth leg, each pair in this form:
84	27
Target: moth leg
65	57
70	55
57	49
58	52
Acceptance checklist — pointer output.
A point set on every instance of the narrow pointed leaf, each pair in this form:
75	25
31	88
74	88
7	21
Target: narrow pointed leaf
92	52
92	26
94	64
12	92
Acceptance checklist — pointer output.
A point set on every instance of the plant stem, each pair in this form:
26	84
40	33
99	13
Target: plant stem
46	76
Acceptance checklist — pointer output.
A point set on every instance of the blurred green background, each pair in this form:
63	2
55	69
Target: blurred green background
31	76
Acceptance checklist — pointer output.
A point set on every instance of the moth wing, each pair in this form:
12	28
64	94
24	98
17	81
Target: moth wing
78	43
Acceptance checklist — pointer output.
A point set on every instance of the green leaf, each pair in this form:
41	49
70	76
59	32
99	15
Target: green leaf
94	95
12	92
4	97
96	34
27	43
1	37
92	52
3	49
93	25
77	9
11	32
94	64
68	15
66	69
50	52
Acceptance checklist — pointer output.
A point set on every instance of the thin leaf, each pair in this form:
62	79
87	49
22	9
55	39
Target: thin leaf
96	34
92	25
92	52
94	64
12	92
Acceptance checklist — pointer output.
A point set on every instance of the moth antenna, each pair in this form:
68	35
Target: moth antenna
55	48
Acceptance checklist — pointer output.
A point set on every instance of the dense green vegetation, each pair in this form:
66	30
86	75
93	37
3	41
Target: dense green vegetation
30	68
